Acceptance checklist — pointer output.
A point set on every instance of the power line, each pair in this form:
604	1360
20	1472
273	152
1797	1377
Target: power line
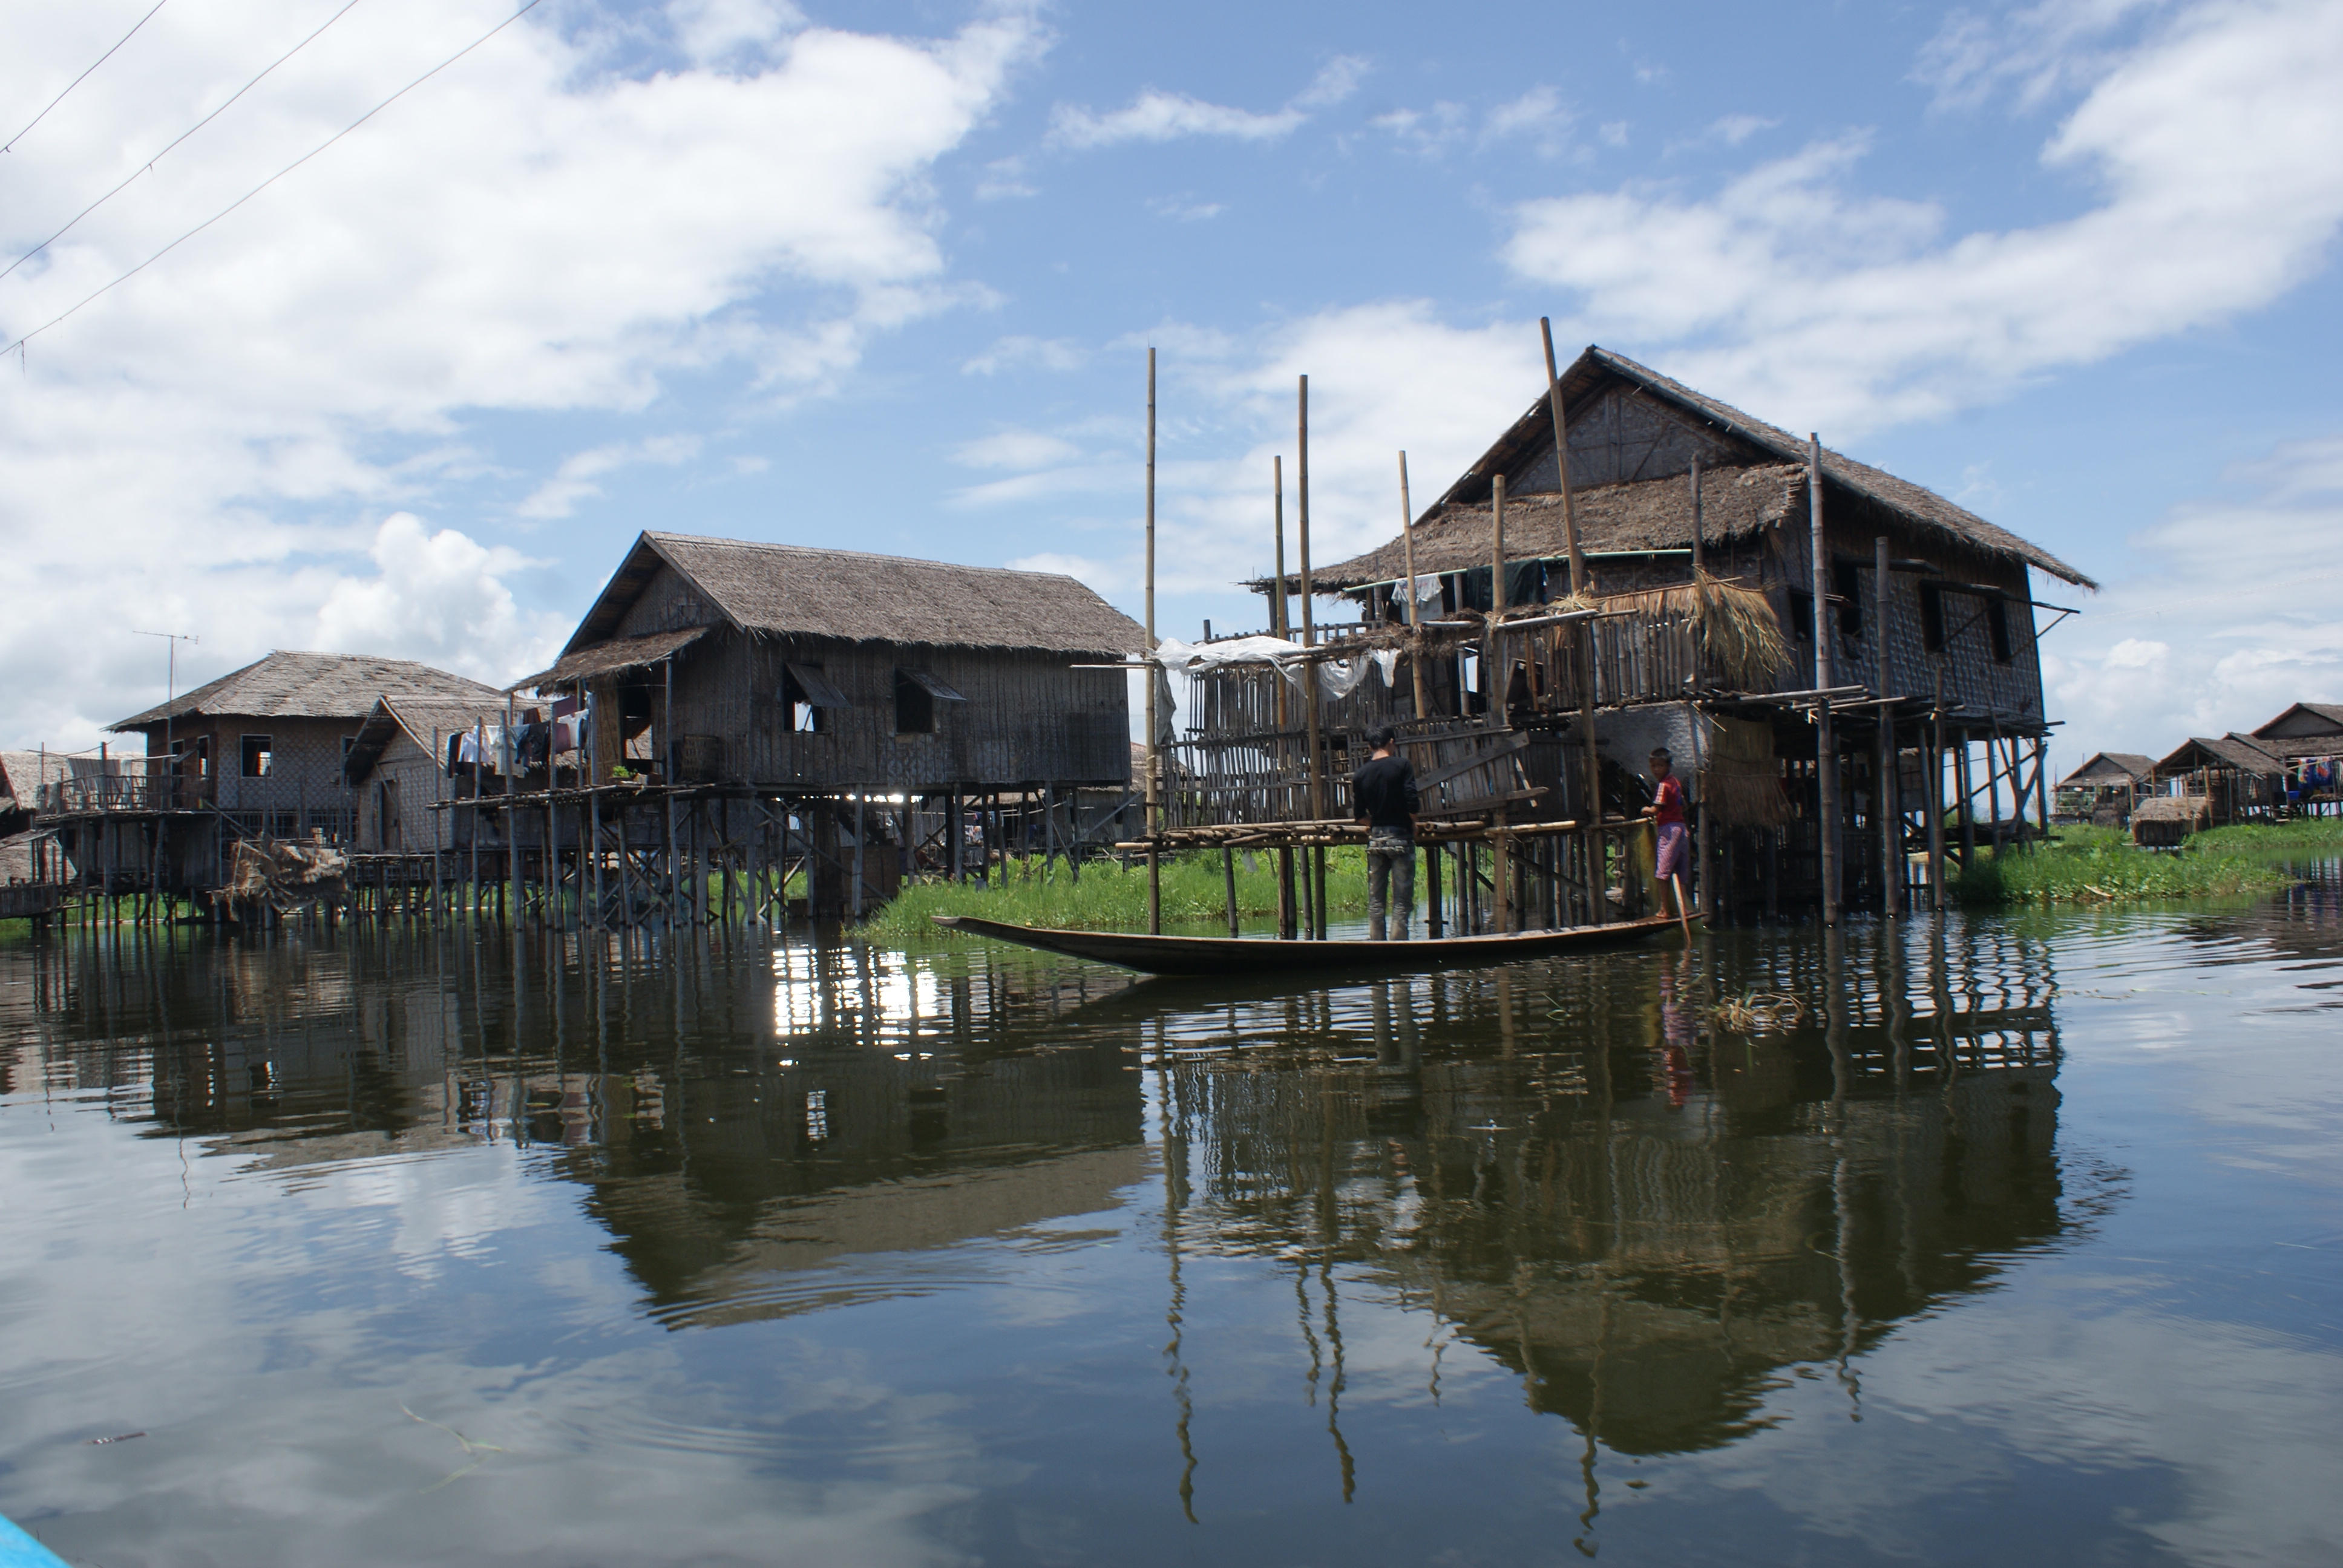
279	175
77	81
148	167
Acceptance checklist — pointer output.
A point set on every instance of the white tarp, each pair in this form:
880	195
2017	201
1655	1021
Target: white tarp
1336	677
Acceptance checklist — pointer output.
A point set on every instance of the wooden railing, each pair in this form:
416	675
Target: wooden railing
126	792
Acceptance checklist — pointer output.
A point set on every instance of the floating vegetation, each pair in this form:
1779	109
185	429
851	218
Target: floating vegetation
2098	865
1758	1012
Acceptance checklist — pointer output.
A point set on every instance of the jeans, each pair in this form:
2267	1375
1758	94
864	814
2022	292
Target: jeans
1391	883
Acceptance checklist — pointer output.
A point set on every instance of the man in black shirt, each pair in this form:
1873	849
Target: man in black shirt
1384	796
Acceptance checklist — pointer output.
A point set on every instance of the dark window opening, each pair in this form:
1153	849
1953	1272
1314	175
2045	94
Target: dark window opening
1846	587
1932	618
805	718
1802	614
1996	624
258	755
915	707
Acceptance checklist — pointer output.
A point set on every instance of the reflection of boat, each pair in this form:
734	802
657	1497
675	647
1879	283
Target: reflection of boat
1237	955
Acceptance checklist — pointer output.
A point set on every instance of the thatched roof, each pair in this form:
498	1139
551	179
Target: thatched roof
2112	766
791	591
2241	752
2171	808
1923	509
314	686
424	721
2318	731
21	774
610	657
1648	515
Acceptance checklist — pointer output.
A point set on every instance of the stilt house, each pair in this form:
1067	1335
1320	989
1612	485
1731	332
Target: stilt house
1928	640
2103	789
2308	737
723	661
398	767
265	745
2237	779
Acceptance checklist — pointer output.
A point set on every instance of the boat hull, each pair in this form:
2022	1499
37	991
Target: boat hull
1235	956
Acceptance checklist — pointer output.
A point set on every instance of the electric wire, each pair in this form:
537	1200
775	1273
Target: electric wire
20	342
77	81
148	166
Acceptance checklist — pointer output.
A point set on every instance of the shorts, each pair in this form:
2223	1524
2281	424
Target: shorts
1675	848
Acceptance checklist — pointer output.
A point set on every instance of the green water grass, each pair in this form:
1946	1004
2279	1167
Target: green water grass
2101	865
1110	898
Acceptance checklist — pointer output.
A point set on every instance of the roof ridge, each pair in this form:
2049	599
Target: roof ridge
860	555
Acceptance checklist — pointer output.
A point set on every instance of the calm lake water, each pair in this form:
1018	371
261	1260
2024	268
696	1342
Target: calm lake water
2024	1245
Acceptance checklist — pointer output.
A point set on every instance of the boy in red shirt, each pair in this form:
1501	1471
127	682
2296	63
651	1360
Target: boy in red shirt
1667	810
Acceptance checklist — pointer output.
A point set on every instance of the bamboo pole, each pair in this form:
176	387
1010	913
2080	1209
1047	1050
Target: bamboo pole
506	750
1316	863
1885	785
1826	731
1598	908
1280	622
1936	798
1414	617
1705	842
1155	677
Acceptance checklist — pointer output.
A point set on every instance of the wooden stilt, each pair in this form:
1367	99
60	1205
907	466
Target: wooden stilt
1826	731
1154	678
1884	782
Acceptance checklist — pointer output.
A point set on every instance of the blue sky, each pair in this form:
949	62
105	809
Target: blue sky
883	276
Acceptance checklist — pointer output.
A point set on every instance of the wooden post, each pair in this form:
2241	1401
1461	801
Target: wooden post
1583	634
1434	922
1229	881
855	902
1968	804
1937	796
1494	687
2041	783
1315	857
1414	621
1886	783
1280	622
1153	677
1826	731
671	767
508	753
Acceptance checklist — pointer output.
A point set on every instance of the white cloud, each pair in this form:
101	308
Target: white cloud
1538	117
1383	378
2230	616
1104	578
1613	132
2039	50
1019	351
1184	208
532	231
1426	132
1018	450
440	597
1734	129
573	481
708	30
1788	289
1156	116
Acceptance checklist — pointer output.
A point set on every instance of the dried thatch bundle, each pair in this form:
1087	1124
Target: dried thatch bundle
287	876
1734	628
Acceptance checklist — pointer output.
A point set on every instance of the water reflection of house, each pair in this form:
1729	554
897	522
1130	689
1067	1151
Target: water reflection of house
1647	1228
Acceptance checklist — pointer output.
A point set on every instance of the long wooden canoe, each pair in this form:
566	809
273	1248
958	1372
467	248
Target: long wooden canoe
1237	955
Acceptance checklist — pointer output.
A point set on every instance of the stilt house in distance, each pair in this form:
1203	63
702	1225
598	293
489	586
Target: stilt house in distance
266	744
397	762
816	671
